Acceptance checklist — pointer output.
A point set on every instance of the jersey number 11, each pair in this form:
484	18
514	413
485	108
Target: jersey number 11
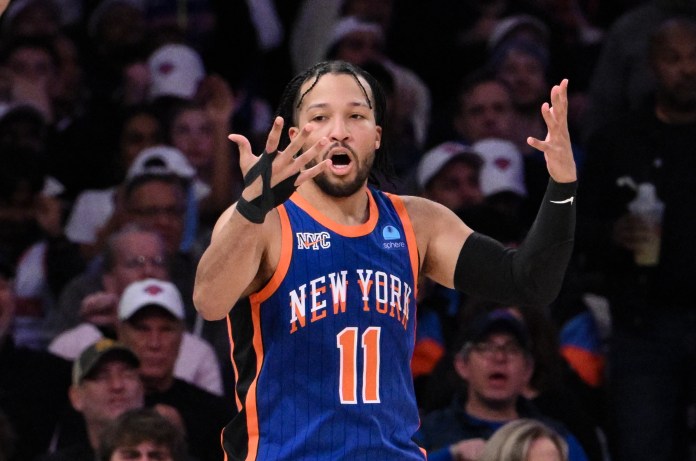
347	343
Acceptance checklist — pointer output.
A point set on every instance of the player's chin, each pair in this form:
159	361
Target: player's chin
338	186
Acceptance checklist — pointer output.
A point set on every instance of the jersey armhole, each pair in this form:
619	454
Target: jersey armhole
411	242
283	263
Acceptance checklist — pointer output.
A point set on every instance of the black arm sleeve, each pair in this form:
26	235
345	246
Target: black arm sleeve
533	273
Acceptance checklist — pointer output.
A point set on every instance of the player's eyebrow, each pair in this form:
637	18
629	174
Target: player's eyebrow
322	105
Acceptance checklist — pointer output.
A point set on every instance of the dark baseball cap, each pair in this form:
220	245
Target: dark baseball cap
497	321
97	353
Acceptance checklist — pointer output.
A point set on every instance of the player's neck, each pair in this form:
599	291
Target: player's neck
348	211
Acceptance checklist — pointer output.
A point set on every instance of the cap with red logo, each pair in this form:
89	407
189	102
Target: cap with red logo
175	70
150	292
503	167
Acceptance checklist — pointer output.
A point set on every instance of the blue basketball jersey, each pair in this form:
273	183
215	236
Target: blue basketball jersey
322	353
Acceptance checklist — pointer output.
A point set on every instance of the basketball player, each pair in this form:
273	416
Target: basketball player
330	266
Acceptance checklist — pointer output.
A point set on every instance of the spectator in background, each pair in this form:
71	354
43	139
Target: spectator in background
29	210
33	65
176	70
197	110
97	213
622	79
117	37
31	18
517	27
156	199
130	254
179	79
496	363
142	434
193	23
48	73
137	129
135	254
151	313
450	174
33	384
502	180
525	440
554	389
105	384
359	41
22	176
482	108
447	174
200	133
396	137
32	208
646	270
523	67
316	19
44	268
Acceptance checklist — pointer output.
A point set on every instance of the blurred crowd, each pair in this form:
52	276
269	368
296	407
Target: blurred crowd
115	164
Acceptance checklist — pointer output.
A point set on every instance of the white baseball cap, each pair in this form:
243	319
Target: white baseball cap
161	160
506	26
166	160
150	292
436	158
352	24
503	167
175	70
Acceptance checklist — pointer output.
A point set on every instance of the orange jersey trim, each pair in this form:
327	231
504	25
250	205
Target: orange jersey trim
283	263
237	400
255	300
341	229
410	237
252	414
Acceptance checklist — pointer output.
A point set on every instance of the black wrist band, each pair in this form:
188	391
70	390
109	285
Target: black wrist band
251	212
256	210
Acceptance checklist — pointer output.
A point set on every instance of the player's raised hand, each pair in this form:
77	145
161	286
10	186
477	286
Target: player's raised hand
556	147
272	177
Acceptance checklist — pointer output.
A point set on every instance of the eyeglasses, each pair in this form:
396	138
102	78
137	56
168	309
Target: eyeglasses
140	262
491	350
173	211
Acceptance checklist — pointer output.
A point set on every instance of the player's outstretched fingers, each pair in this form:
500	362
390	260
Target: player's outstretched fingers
315	170
294	148
274	135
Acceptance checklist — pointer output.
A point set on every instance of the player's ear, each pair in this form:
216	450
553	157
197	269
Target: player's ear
378	140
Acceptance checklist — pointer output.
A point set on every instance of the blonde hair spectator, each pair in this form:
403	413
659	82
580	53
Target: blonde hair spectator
525	440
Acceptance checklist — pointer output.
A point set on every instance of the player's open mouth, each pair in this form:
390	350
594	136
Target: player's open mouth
340	162
340	159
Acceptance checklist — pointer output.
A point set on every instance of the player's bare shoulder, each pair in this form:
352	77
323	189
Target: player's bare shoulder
424	212
431	220
440	234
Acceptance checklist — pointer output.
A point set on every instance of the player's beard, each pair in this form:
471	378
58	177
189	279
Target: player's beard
338	187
